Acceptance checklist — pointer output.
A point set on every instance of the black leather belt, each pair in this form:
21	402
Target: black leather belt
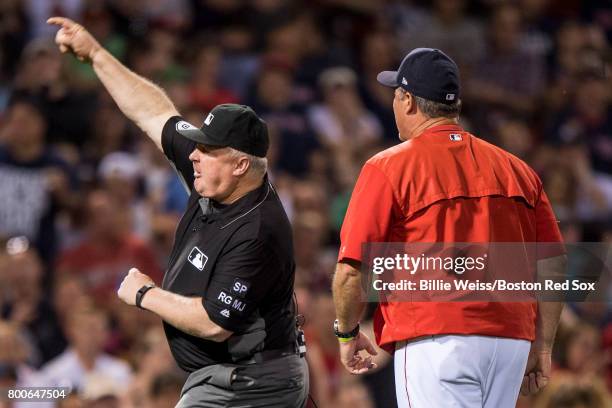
267	355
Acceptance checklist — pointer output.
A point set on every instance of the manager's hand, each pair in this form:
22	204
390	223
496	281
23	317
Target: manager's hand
132	282
352	359
73	37
537	372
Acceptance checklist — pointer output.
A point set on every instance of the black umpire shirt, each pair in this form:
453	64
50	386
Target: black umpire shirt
239	259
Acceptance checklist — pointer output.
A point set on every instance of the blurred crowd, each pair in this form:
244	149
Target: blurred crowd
84	195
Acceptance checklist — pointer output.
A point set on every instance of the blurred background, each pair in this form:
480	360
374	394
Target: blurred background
84	195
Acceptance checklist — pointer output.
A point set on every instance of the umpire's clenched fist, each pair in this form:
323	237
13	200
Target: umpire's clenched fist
132	282
72	37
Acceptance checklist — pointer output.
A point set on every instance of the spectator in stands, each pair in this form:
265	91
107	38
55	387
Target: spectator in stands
24	303
34	181
274	102
317	317
582	352
588	121
507	80
312	263
448	28
68	293
121	174
87	331
14	356
151	359
155	55
13	37
166	389
111	133
538	27
68	110
341	121
515	136
572	392
101	391
577	192
377	53
353	394
108	250
205	91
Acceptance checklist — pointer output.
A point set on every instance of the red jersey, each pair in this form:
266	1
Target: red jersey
446	185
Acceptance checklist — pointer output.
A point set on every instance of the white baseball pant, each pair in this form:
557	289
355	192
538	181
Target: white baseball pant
459	371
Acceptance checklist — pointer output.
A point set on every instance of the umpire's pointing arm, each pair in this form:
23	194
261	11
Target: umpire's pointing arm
140	100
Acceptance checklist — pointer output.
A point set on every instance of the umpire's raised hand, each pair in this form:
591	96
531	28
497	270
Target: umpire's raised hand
72	37
143	102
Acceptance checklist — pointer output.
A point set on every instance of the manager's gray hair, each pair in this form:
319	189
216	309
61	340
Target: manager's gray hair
435	109
257	165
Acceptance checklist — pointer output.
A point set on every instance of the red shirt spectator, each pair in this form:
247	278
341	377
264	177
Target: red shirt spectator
108	251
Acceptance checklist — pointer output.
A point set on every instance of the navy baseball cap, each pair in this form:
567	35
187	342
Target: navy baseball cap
230	125
428	73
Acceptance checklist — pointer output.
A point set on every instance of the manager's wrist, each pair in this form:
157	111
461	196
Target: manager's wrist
345	336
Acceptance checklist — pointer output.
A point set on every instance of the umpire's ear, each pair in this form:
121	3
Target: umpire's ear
242	165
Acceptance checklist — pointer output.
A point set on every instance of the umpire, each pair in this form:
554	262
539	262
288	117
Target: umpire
226	298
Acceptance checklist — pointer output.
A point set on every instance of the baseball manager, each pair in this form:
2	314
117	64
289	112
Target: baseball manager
226	298
443	184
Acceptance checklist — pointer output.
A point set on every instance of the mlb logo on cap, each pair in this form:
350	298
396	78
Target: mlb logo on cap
450	97
455	137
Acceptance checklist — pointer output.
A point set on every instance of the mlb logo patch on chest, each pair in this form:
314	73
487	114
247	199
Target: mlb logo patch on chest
455	137
197	258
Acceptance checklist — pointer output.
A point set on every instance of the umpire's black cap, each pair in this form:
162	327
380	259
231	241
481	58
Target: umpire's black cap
428	73
230	125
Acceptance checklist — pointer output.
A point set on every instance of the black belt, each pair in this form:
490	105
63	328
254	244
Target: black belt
267	355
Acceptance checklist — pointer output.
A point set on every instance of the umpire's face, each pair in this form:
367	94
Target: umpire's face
217	171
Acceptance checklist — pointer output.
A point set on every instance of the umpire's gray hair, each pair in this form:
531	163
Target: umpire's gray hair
257	165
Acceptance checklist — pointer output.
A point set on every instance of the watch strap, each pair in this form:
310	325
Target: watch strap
141	292
345	335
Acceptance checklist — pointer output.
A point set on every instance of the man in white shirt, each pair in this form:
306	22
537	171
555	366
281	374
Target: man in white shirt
87	331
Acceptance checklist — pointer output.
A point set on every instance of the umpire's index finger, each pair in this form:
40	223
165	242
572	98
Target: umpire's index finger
63	21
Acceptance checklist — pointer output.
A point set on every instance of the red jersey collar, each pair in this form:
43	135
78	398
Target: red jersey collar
443	128
439	129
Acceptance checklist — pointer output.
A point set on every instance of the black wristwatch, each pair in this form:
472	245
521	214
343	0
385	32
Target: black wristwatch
141	292
348	335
